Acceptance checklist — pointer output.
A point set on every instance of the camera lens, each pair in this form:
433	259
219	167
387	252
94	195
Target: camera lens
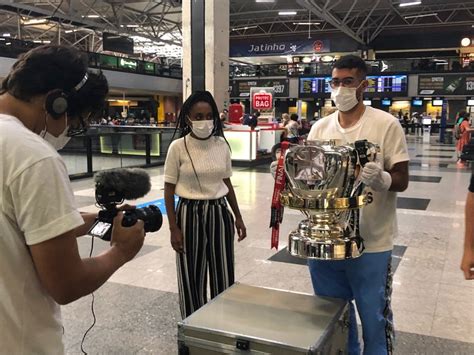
150	215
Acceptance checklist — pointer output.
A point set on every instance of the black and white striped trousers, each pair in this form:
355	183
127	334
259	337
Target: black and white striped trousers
208	231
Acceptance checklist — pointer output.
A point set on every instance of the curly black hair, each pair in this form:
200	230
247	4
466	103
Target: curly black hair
49	67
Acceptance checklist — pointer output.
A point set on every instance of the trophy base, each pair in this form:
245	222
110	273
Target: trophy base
324	248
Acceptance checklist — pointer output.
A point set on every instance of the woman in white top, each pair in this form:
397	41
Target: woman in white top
292	128
198	170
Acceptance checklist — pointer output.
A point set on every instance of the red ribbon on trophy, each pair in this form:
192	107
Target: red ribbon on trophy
277	208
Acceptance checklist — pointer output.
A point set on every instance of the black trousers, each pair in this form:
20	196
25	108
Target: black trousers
208	231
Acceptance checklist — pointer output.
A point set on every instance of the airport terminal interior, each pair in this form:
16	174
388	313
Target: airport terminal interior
273	57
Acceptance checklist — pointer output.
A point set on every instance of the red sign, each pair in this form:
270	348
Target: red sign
262	101
318	46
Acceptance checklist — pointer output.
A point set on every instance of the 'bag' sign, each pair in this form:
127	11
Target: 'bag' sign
262	101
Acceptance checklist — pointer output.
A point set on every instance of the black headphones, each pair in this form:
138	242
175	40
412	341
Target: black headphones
57	100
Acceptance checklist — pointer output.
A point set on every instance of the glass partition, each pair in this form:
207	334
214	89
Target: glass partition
107	147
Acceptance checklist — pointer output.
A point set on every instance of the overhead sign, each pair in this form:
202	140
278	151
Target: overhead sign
261	98
269	47
241	88
446	84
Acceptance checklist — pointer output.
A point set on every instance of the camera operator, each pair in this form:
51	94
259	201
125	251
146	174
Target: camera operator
45	100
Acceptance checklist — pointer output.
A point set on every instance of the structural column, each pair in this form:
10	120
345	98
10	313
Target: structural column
206	48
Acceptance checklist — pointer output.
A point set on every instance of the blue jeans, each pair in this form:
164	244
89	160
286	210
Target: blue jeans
368	281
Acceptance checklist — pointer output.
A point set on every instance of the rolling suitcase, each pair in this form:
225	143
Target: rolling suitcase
254	320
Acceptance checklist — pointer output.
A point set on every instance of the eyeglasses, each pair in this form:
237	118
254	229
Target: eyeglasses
347	82
81	127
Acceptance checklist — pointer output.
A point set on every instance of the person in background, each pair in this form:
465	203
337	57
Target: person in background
293	128
417	121
304	127
467	262
314	119
406	117
465	130
40	264
368	278
253	121
285	119
245	119
198	169
223	117
406	121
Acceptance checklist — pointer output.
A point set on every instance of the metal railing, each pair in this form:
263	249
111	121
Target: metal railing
12	48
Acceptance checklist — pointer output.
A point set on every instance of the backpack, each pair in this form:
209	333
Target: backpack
457	128
457	131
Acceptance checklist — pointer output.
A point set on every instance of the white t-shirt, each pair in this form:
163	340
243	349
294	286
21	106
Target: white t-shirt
211	160
292	128
36	204
378	222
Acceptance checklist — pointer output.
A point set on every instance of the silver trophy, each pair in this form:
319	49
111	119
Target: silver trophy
323	184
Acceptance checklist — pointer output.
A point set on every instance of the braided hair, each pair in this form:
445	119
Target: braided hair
198	96
182	123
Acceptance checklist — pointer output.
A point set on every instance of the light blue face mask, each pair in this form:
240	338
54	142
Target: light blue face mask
58	142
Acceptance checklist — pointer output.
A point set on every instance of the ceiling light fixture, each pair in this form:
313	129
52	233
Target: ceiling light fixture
264	1
410	3
466	42
421	15
91	16
6	35
133	26
35	21
307	23
327	58
287	13
243	28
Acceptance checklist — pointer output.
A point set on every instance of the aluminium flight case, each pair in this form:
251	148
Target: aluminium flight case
255	320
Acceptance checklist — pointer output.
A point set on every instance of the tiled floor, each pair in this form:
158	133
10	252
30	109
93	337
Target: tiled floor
137	309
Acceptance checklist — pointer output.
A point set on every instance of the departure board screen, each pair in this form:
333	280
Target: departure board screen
391	85
372	87
318	86
312	85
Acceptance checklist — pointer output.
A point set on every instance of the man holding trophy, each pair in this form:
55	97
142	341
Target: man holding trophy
367	278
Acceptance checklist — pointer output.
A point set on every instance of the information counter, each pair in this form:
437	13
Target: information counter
243	143
247	144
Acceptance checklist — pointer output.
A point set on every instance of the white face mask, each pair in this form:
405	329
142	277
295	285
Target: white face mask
344	98
58	142
202	129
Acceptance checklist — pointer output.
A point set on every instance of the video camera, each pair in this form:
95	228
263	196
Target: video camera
114	186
